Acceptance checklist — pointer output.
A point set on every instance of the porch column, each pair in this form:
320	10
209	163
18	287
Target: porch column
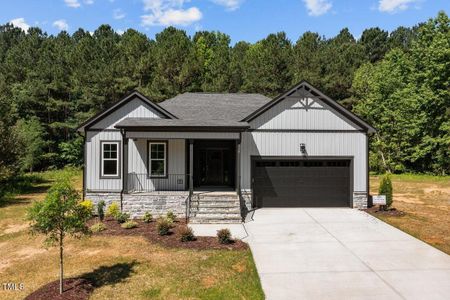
238	165
191	167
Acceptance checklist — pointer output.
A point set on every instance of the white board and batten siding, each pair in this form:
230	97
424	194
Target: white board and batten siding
93	161
137	166
280	130
136	108
104	130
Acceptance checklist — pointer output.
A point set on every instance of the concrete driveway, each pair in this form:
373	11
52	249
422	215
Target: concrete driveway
328	253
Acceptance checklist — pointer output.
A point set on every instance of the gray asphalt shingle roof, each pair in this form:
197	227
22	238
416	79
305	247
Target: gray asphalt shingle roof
214	106
177	123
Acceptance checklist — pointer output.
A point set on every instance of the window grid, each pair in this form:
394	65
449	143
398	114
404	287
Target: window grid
110	151
157	159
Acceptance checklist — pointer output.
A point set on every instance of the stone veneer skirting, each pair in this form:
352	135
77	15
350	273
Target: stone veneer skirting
159	203
360	200
246	201
137	204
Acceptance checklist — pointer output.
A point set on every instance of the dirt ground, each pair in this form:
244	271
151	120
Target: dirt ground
425	201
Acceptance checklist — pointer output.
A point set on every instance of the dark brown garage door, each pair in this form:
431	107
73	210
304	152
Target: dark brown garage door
301	183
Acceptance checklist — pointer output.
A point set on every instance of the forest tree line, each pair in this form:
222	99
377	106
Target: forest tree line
397	81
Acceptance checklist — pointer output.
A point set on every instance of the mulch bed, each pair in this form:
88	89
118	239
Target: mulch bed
391	212
149	231
74	289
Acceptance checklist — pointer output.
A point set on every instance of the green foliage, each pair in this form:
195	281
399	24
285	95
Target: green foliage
122	217
375	43
147	218
50	84
31	136
129	225
9	153
386	189
88	205
60	213
163	225
113	210
171	216
186	234
266	65
406	97
101	210
71	152
98	227
224	236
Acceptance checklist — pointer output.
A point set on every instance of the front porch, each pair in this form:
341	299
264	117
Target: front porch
196	175
214	165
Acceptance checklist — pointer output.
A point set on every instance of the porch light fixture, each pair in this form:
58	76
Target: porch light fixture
303	148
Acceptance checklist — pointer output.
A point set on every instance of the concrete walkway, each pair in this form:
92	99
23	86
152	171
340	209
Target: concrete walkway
327	253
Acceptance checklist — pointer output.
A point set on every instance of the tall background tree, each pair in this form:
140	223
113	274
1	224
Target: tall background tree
396	80
406	97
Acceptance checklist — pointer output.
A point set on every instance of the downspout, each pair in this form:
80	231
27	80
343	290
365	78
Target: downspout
369	200
122	132
84	163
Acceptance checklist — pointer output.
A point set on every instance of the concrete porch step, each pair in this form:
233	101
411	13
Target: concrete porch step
216	210
213	220
216	214
216	195
215	204
232	209
215	200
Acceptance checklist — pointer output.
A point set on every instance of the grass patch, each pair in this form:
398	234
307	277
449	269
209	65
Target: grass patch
417	177
425	200
151	293
125	267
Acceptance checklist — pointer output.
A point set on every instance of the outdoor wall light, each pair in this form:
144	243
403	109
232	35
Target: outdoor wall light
303	148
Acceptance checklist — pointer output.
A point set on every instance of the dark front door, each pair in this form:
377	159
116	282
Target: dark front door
214	163
214	167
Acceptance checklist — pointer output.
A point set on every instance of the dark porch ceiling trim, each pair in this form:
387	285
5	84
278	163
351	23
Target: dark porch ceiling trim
184	128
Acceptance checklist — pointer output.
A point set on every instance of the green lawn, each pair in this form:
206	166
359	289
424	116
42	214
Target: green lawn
426	201
122	267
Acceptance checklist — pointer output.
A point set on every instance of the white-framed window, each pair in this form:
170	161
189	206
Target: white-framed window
157	159
110	159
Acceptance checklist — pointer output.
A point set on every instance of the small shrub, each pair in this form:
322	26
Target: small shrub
147	217
386	189
113	210
88	205
224	236
129	225
122	217
163	226
101	210
171	216
187	234
97	227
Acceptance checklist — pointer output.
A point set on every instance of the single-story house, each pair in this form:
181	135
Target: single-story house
212	157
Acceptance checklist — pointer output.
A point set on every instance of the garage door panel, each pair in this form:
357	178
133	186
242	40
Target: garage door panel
300	185
306	182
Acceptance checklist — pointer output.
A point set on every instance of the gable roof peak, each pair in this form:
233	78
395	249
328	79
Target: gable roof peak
309	90
125	99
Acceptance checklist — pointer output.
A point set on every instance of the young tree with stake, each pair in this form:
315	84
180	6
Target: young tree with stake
60	214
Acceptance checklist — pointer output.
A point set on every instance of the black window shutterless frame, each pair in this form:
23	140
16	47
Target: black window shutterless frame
117	159
166	158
